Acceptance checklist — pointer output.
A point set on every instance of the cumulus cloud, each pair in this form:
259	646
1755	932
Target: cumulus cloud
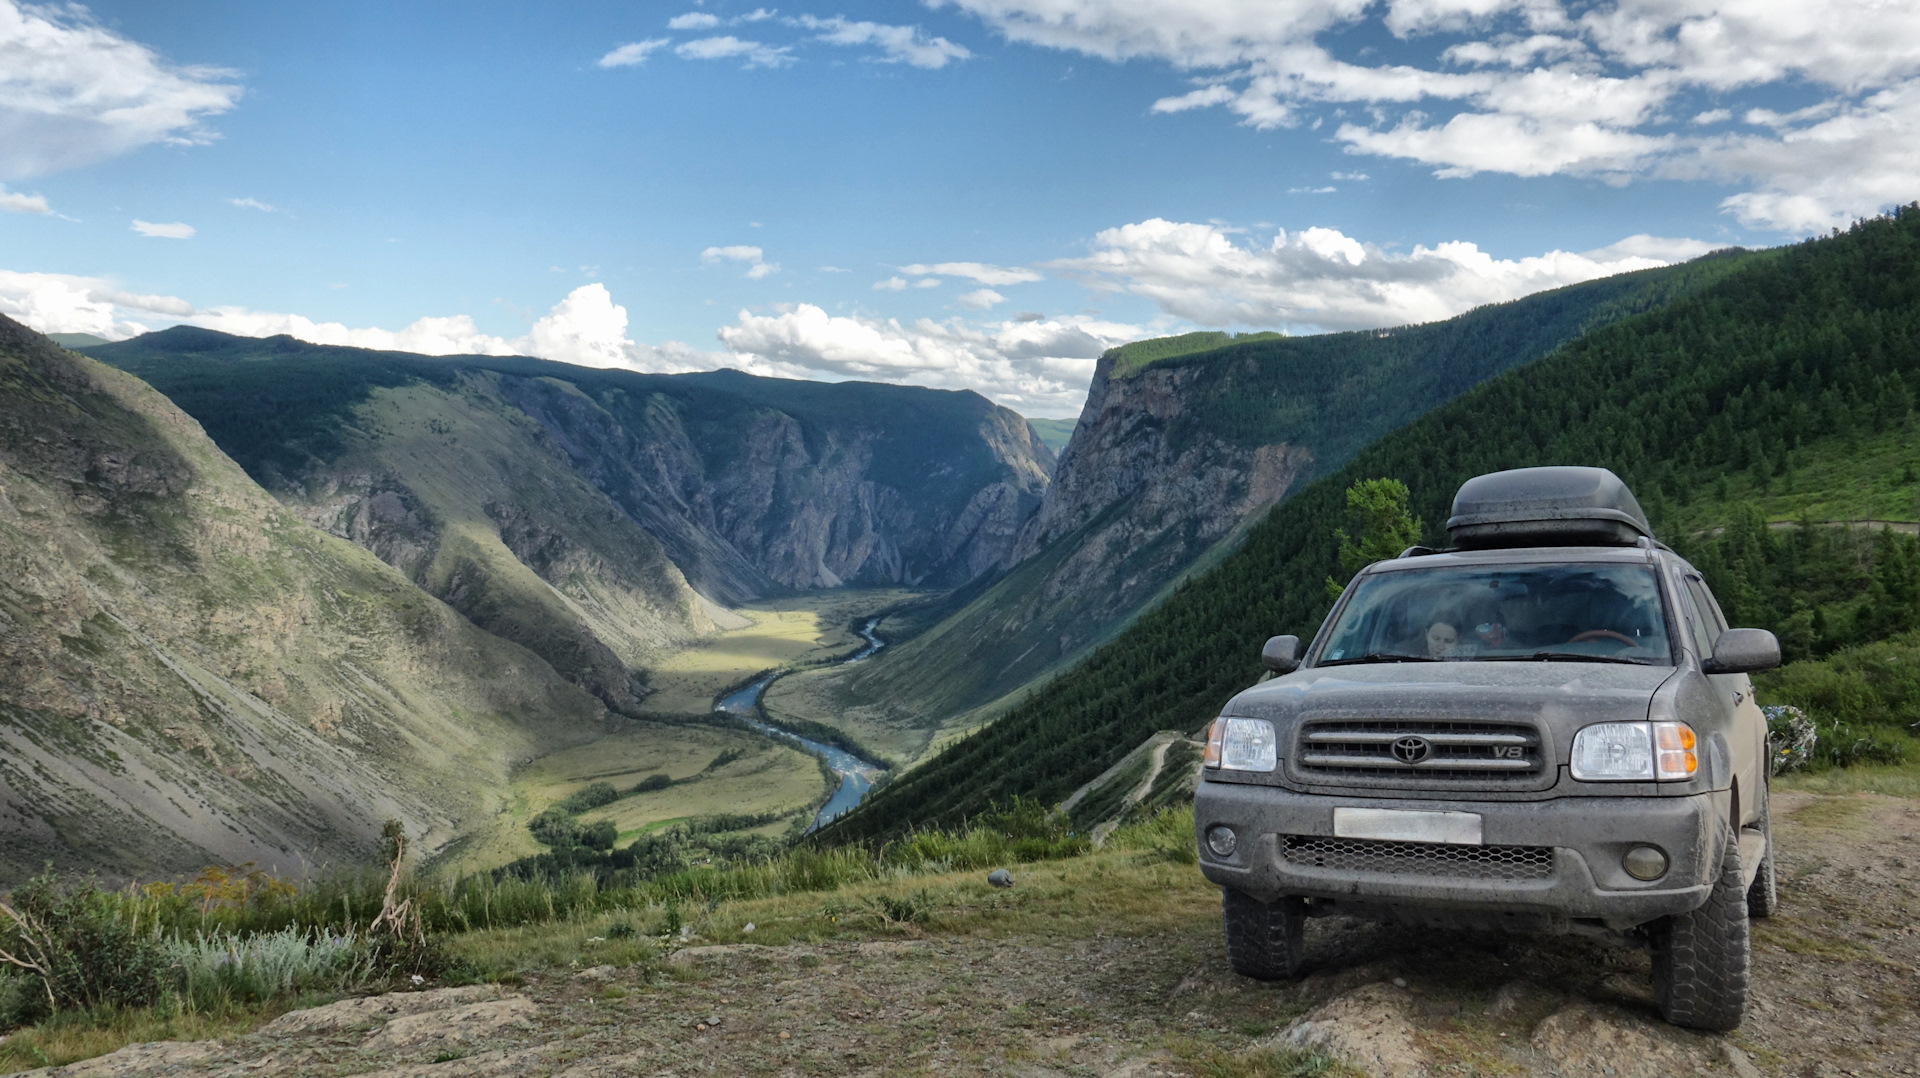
897	44
756	54
1035	367
634	52
980	299
173	230
1547	87
693	20
73	92
757	267
14	202
1321	279
585	328
979	272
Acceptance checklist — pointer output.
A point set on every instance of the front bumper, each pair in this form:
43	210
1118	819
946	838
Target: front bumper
1582	880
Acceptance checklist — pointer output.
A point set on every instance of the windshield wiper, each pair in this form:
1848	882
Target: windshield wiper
1564	657
1380	657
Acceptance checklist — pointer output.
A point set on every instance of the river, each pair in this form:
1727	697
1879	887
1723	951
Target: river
856	775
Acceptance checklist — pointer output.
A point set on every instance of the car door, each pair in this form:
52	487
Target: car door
1747	736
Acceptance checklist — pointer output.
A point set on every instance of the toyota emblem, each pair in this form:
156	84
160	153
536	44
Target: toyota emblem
1411	750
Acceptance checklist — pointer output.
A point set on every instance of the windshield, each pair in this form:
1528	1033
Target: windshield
1576	613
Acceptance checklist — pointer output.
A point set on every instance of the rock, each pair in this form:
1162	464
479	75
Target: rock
158	1057
1738	1060
1368	1029
603	974
1000	877
372	1010
439	1029
501	1064
687	956
1582	1039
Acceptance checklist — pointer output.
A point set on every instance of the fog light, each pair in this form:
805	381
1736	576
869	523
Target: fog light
1222	841
1645	863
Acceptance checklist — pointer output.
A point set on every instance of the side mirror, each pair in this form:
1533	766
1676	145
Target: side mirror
1743	651
1282	654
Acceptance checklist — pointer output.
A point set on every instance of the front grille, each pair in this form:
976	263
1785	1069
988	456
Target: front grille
1419	858
1480	751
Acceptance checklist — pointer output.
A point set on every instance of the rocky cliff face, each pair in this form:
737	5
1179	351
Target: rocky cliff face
591	515
191	674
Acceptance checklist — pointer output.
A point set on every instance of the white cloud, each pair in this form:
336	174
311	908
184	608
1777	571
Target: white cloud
251	204
585	328
1311	190
980	299
891	284
693	20
1322	279
979	272
1035	367
757	268
1356	177
14	202
897	44
727	47
73	92
1548	87
634	52
62	303
174	230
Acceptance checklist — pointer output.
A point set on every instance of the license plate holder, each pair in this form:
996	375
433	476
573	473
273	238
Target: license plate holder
1405	825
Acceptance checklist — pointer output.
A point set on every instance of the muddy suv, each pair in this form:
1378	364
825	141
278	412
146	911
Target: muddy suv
1548	727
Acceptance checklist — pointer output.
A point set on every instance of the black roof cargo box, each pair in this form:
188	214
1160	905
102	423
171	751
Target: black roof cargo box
1563	506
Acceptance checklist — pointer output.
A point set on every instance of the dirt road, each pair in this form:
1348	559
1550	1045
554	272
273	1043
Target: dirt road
1837	992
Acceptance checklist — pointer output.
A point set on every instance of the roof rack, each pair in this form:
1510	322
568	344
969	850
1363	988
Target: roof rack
1558	506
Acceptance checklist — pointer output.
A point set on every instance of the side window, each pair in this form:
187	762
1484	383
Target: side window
1709	609
1696	622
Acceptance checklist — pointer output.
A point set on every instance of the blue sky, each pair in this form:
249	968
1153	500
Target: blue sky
979	194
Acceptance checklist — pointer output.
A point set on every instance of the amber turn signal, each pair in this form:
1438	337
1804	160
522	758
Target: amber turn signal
1216	735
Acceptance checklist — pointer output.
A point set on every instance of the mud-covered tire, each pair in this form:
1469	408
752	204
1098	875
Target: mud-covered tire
1702	960
1264	939
1763	895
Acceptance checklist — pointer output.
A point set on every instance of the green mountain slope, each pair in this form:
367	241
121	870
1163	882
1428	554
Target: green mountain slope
584	513
1821	340
190	674
1183	443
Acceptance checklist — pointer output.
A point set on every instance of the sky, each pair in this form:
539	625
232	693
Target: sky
965	194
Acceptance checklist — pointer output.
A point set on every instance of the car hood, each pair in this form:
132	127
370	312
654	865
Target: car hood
1556	694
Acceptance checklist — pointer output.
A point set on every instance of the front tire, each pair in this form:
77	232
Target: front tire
1702	960
1265	940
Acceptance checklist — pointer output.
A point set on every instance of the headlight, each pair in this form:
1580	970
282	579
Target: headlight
1242	745
1626	752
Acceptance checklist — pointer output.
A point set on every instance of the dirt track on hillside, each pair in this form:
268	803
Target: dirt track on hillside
1837	992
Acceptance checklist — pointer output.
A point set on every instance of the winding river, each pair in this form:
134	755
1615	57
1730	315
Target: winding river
856	775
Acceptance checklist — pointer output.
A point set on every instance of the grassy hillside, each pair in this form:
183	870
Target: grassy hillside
190	674
1186	441
1054	433
1812	342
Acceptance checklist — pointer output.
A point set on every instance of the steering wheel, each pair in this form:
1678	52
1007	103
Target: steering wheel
1604	634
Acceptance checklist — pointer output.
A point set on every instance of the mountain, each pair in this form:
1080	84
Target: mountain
599	517
1183	443
191	674
1788	357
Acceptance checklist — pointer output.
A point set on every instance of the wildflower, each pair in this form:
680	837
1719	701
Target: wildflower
417	980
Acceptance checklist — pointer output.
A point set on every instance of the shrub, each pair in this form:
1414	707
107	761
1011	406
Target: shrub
21	1001
599	835
226	967
587	798
652	783
81	946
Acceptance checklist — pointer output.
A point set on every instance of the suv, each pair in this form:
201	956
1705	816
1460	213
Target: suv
1547	727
